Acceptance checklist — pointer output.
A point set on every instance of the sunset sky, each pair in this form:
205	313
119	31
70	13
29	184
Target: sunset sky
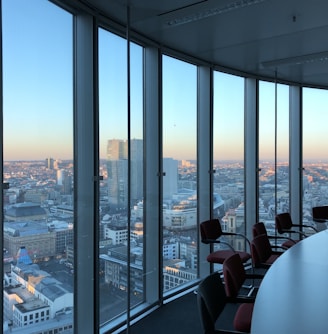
38	95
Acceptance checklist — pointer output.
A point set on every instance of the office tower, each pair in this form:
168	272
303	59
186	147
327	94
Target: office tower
65	180
61	175
50	163
117	168
136	178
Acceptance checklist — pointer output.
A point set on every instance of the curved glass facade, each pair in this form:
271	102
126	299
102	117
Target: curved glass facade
114	152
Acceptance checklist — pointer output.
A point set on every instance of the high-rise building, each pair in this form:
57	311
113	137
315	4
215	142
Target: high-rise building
136	177
117	169
65	180
61	175
50	163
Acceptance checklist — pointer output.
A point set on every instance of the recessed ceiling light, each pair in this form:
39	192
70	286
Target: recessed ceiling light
212	12
298	60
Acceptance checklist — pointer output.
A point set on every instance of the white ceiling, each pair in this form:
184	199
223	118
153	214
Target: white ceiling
287	38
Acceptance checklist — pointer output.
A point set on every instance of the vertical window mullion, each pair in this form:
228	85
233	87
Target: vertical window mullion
84	177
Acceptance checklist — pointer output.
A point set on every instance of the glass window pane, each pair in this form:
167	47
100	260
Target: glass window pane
228	155
117	225
315	153
273	152
180	168
38	165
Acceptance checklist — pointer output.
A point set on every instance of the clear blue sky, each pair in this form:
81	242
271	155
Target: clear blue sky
38	95
38	81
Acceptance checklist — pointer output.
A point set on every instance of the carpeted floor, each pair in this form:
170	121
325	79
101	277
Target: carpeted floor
181	316
177	317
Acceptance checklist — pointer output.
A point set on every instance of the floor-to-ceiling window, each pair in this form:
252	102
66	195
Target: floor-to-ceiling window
273	153
38	162
228	155
121	166
38	165
180	173
315	153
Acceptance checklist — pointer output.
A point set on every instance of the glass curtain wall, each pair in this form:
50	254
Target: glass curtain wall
38	162
315	154
121	165
273	152
228	155
180	173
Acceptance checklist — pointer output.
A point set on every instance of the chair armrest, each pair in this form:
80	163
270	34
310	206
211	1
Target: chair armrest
307	226
211	241
217	241
238	235
293	231
274	252
277	249
280	237
320	220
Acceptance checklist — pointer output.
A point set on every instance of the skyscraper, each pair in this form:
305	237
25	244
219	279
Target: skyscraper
117	168
136	177
50	163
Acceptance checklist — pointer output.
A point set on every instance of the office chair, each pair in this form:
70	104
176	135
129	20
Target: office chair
211	232
284	224
259	228
235	277
320	214
262	251
212	300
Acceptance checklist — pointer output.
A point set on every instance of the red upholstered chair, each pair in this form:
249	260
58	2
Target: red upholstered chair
284	224
212	300
259	228
262	253
211	233
235	277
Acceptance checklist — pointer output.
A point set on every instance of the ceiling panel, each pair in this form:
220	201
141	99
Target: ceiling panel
248	35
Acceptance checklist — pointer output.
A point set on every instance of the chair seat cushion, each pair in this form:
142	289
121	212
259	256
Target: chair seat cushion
272	258
288	243
220	255
243	318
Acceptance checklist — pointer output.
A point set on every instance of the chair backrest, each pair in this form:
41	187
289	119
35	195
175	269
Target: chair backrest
234	275
211	299
283	222
210	230
320	213
258	229
261	249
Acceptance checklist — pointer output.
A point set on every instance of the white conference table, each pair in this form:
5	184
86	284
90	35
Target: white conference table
293	296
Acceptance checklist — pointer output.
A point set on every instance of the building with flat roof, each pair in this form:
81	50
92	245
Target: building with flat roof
32	296
25	211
